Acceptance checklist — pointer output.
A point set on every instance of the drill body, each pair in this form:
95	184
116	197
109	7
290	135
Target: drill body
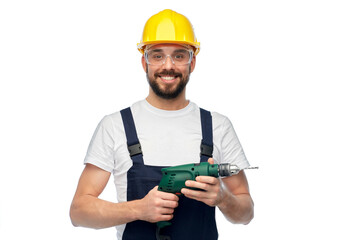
173	178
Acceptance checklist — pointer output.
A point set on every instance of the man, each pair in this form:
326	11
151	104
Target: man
169	130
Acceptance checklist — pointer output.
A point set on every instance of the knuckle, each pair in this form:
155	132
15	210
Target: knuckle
157	203
169	205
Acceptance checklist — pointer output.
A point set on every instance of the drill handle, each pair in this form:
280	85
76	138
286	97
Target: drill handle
163	224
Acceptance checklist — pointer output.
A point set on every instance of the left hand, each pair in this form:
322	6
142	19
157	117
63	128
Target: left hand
213	193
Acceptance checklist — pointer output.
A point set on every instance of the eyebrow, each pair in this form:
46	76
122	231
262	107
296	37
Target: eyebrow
157	50
180	51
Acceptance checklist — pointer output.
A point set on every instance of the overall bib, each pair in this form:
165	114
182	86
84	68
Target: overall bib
192	219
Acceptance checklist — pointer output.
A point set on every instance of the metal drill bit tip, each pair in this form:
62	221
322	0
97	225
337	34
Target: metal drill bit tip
252	168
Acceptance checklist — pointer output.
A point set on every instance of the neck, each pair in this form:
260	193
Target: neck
167	104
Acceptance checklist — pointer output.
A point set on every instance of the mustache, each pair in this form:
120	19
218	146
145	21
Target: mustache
168	73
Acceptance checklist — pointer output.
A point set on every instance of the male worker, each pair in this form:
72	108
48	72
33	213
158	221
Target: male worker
162	130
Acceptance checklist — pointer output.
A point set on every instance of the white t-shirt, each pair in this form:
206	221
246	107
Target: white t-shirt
167	138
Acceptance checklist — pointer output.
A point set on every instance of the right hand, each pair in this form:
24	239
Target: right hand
158	206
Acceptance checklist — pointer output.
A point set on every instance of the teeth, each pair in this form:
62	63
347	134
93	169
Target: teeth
168	78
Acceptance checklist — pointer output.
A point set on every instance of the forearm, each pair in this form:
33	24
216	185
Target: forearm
237	208
92	212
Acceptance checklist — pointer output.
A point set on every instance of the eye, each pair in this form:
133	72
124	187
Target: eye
157	56
179	56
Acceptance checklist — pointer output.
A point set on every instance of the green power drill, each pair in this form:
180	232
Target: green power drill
173	178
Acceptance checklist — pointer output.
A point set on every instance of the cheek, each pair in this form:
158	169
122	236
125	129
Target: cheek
149	71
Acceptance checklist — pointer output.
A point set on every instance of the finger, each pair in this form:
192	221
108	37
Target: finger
166	217
208	199
211	160
166	211
170	204
207	179
195	184
167	196
194	194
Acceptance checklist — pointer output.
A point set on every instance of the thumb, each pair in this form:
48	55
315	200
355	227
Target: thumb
211	160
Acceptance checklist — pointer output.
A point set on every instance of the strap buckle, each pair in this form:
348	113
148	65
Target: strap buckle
135	149
206	150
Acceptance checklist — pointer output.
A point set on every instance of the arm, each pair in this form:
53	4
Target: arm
233	199
88	210
237	204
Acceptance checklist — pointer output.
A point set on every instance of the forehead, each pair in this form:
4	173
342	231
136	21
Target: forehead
167	47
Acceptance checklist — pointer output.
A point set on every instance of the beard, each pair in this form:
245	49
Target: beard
170	92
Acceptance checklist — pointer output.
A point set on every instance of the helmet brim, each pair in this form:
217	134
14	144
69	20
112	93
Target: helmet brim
195	46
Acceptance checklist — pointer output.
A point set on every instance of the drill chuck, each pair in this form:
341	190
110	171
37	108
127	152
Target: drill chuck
227	169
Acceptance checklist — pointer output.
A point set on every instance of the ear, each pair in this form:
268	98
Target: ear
192	64
143	62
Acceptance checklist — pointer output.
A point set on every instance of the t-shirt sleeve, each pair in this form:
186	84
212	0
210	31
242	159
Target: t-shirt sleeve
232	151
101	148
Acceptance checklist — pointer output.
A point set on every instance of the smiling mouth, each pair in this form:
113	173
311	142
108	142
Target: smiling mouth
168	78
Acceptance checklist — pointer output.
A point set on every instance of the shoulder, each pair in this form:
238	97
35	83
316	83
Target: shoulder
219	118
115	117
110	123
220	121
111	119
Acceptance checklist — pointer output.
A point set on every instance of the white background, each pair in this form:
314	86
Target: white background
286	73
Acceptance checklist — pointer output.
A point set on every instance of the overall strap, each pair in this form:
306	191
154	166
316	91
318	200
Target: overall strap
133	143
206	146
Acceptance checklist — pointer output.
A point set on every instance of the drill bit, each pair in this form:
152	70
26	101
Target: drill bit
252	168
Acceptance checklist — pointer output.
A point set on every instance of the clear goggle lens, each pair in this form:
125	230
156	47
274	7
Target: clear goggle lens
178	57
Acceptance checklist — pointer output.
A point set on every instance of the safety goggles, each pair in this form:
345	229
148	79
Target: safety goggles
178	57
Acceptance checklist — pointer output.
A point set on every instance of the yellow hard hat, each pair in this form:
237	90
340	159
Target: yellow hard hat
168	26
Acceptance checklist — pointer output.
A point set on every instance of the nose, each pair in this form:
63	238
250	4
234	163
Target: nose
168	63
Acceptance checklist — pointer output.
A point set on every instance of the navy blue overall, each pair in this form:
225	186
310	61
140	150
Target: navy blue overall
192	219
